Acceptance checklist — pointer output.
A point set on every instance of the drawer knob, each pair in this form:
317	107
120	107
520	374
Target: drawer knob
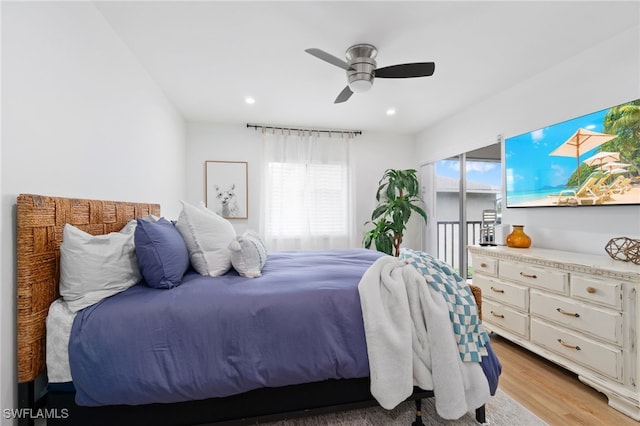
566	345
591	290
497	315
571	314
483	265
522	274
497	290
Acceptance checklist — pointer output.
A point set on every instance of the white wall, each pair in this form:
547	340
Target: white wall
373	153
605	75
224	142
80	118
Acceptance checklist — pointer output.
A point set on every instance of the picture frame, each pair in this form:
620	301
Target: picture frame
226	190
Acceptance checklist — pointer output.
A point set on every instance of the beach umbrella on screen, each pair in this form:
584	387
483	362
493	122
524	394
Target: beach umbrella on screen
601	158
617	171
613	168
581	141
613	165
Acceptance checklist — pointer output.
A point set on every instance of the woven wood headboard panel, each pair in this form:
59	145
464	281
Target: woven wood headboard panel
40	221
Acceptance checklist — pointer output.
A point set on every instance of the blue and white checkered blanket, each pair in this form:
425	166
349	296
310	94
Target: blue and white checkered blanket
463	310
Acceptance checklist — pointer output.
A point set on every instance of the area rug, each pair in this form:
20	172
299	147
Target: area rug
502	410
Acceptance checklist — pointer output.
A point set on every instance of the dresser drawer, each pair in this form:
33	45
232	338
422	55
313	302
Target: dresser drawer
599	322
605	359
535	276
487	265
511	294
505	318
596	290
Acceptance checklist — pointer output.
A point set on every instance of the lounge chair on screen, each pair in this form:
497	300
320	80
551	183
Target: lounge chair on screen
588	193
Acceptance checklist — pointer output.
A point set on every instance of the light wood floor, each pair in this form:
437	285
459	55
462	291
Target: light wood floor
551	392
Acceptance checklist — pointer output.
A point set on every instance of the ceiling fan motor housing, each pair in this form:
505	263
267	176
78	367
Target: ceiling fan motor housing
362	66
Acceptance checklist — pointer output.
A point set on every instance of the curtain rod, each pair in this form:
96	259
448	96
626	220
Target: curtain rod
292	129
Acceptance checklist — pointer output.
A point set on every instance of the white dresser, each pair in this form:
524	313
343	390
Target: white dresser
577	310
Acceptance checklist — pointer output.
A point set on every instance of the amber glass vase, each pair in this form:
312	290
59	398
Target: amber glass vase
517	238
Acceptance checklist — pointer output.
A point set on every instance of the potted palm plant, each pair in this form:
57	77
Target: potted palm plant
398	197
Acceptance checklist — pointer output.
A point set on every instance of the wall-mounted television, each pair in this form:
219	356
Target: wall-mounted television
592	160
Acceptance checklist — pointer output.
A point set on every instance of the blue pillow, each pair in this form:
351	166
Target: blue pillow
162	254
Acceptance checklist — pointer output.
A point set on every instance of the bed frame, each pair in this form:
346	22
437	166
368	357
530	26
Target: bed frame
40	222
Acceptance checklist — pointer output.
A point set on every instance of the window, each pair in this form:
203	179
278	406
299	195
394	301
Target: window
307	192
307	199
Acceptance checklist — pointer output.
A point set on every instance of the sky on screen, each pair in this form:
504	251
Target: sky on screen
528	163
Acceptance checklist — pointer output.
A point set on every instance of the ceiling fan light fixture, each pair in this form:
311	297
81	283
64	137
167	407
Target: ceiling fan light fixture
359	86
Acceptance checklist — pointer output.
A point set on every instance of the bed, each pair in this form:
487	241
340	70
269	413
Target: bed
40	223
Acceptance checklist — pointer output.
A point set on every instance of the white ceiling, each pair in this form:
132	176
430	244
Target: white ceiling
207	56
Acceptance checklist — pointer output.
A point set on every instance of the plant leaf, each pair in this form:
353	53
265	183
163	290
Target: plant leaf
379	211
384	243
420	212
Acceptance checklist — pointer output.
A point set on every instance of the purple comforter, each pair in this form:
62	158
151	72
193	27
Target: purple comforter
212	337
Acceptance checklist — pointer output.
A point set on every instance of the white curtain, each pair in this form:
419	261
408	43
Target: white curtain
307	191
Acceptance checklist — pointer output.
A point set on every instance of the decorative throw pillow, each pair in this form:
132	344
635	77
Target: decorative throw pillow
207	236
248	254
95	267
163	257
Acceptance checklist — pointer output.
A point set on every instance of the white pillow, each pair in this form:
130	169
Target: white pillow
151	218
95	267
207	236
248	254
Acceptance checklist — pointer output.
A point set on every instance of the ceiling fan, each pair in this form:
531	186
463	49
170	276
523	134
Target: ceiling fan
361	68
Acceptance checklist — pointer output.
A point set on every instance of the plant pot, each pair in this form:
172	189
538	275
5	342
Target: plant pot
517	238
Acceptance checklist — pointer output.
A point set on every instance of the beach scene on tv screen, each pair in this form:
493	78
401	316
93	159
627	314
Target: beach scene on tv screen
590	160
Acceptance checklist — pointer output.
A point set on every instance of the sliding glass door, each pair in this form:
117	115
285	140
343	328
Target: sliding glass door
456	191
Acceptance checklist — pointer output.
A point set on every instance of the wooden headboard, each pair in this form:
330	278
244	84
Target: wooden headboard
40	221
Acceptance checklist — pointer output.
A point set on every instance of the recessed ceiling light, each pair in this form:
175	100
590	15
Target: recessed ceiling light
250	100
391	111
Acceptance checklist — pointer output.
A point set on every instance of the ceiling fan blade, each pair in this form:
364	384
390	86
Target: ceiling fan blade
321	54
418	69
343	96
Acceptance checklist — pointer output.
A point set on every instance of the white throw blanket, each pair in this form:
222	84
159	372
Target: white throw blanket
410	341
